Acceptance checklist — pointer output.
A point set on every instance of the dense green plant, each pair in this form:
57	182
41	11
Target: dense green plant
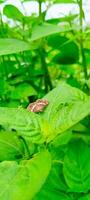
44	155
36	52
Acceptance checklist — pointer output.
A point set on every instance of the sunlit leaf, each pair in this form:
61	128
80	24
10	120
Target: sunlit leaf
10	46
45	30
67	106
26	123
12	12
19	180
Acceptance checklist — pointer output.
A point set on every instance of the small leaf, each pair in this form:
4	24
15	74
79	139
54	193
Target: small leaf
13	12
76	166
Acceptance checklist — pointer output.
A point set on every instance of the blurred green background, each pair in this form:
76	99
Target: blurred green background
37	52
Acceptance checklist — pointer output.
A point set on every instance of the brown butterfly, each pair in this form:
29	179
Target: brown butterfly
38	105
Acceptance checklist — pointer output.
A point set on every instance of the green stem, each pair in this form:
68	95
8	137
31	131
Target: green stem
40	7
84	64
25	146
47	79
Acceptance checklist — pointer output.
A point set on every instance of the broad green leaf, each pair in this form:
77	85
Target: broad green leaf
10	146
76	166
23	180
85	197
26	123
65	56
55	186
67	106
66	47
10	46
62	139
52	195
13	12
23	90
45	30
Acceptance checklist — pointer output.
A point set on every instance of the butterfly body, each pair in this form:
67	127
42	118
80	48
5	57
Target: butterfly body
38	105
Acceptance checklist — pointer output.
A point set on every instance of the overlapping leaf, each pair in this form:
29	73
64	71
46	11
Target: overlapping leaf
55	186
23	180
26	123
10	146
67	106
13	12
10	46
76	166
85	197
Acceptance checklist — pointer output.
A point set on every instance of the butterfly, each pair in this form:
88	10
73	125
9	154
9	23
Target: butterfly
38	105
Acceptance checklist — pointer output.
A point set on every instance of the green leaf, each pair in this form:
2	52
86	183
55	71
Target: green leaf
85	197
26	123
66	56
45	30
65	47
55	186
52	195
13	12
10	146
23	90
76	166
23	180
10	46
67	106
62	139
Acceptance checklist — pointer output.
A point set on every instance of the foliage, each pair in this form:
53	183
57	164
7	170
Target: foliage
44	155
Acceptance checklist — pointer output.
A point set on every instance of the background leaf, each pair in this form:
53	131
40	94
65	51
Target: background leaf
10	46
22	91
12	12
76	166
85	197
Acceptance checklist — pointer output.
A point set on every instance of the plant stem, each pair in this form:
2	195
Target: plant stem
25	146
84	64
47	79
40	7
